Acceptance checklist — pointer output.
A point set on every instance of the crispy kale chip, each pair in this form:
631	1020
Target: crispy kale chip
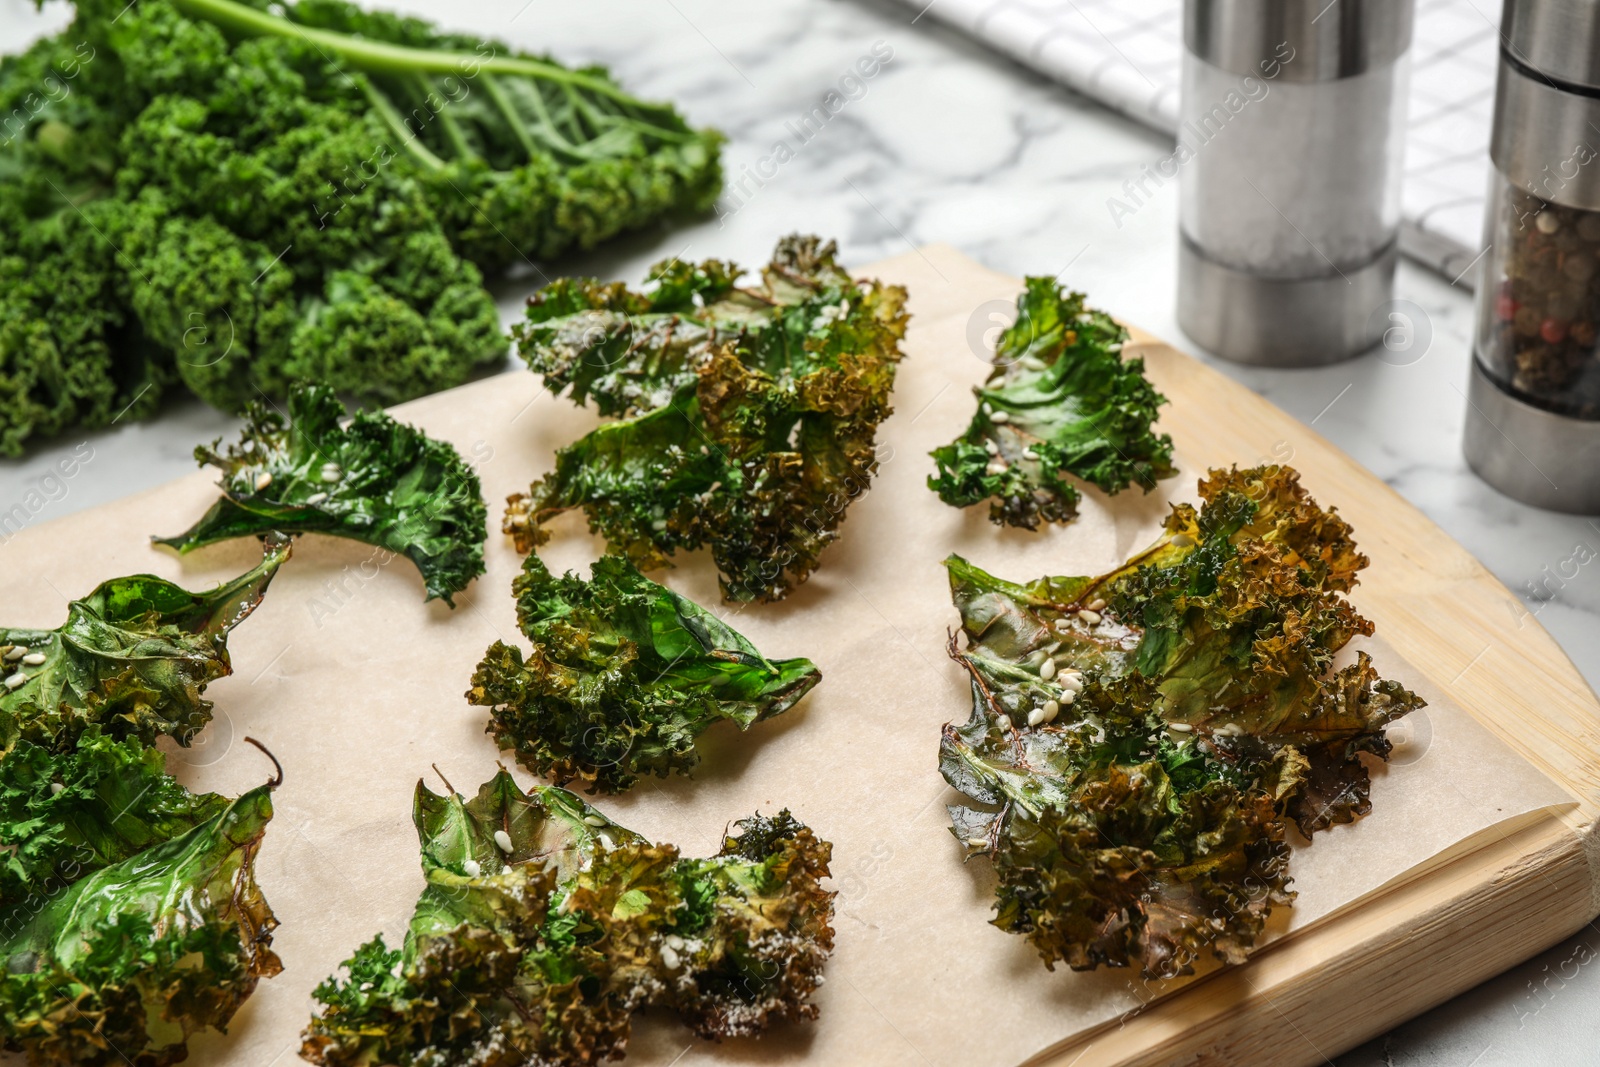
133	658
65	815
544	926
374	480
1141	740
125	964
1061	400
623	676
749	415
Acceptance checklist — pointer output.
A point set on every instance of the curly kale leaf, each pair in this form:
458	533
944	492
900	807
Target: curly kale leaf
623	676
127	963
1061	400
1147	735
242	198
133	657
544	926
750	414
374	480
65	815
521	157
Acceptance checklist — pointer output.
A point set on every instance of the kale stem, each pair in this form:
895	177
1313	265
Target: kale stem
452	128
380	57
408	139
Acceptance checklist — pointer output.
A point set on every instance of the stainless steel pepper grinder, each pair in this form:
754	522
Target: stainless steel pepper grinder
1533	416
1289	148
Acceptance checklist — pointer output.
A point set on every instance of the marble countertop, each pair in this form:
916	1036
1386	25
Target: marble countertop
949	143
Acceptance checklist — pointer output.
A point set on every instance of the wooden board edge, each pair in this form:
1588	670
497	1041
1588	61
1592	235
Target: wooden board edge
1328	988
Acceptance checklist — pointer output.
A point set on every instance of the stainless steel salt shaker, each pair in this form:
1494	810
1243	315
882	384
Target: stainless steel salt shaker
1289	148
1533	417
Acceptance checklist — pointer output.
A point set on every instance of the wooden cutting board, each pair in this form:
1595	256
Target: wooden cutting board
356	686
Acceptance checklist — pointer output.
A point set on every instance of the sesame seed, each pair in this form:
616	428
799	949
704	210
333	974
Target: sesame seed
1036	716
1090	617
33	659
669	958
56	788
472	868
1097	604
16	652
1180	727
991	448
658	525
263	480
1050	710
315	498
502	840
249	446
674	941
1004	721
1073	682
996	467
1000	417
1047	669
1028	453
1068	696
978	842
331	472
594	820
1181	541
16	680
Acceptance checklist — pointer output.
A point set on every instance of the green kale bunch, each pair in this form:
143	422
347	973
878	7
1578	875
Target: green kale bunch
132	658
236	196
374	480
1060	401
749	416
1141	740
544	926
623	676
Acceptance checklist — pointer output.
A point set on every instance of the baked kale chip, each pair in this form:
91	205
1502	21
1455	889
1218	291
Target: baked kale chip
1141	740
544	926
1060	401
374	480
748	416
133	658
124	964
623	676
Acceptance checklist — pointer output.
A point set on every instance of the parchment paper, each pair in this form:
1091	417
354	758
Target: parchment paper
357	687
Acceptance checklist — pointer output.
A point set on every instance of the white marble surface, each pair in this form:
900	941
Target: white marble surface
951	144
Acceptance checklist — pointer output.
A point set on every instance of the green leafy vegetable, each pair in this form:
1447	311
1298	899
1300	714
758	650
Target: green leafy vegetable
376	480
1140	740
240	196
1061	400
125	964
66	815
624	674
750	415
544	926
133	658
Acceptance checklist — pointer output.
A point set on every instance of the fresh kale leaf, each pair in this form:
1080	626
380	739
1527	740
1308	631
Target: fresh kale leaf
1061	400
374	480
750	415
1140	740
133	658
544	926
623	676
125	964
239	196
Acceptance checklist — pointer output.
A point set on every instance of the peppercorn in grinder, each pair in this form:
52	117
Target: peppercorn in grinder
1533	413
